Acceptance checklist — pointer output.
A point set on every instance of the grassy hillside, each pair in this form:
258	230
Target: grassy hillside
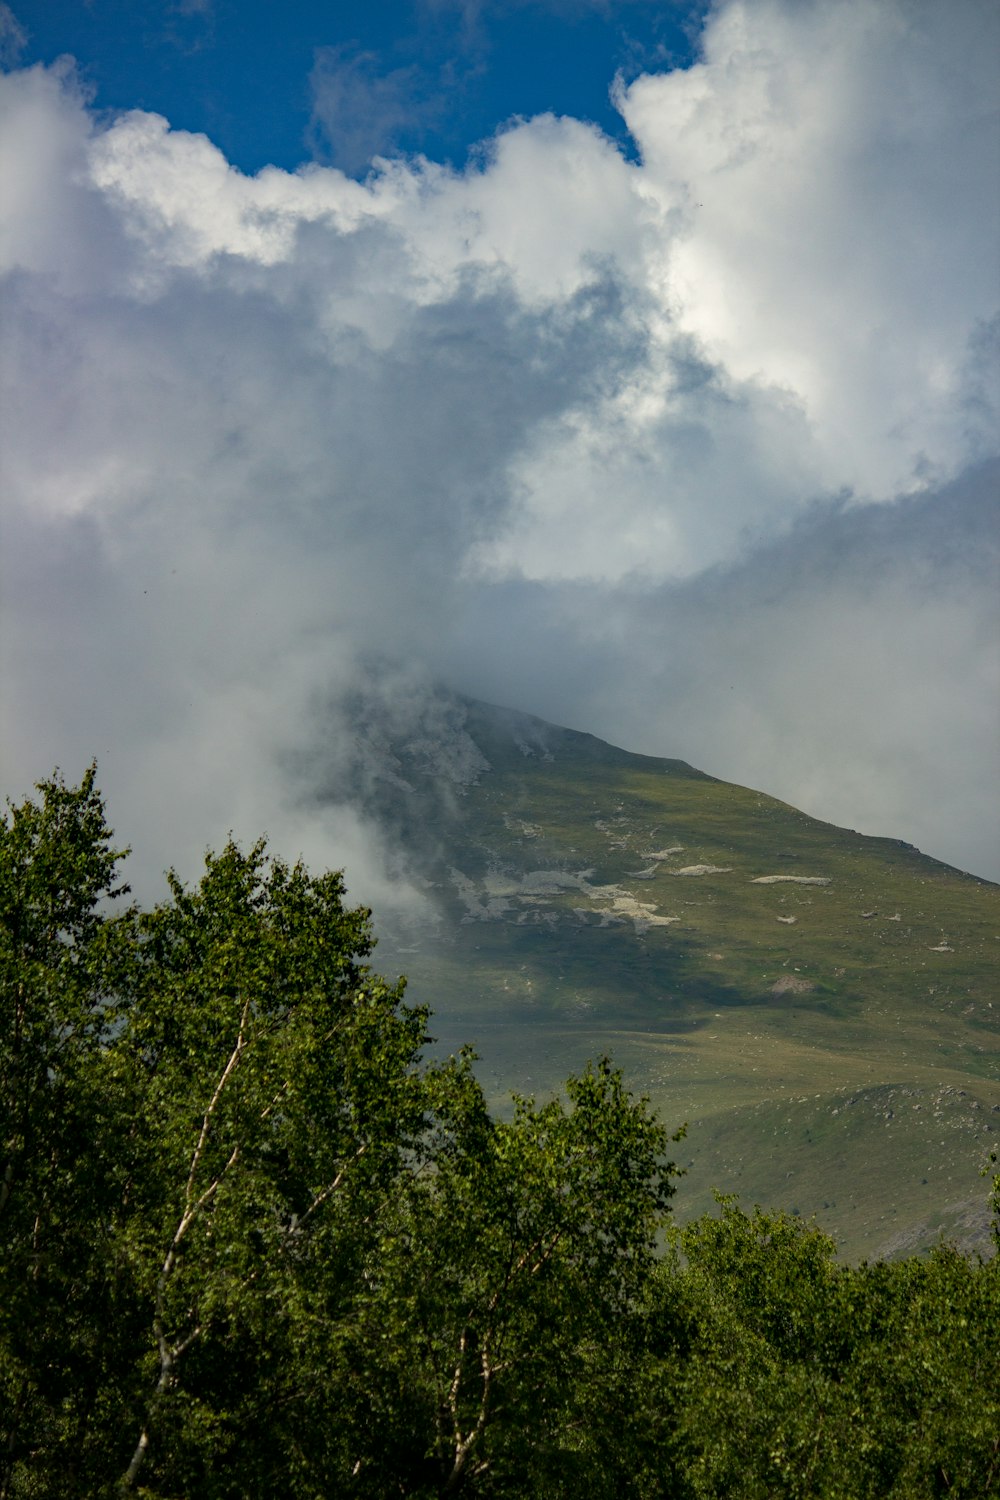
820	1007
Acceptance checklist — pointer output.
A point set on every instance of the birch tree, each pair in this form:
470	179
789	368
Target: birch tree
202	1107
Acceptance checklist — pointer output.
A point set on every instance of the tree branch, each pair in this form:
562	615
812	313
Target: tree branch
192	1208
464	1446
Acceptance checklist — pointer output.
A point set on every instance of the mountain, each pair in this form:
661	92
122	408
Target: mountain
819	1007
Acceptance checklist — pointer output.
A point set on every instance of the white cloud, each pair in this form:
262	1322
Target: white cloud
835	168
512	426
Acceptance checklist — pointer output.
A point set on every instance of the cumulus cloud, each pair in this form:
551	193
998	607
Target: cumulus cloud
691	451
832	164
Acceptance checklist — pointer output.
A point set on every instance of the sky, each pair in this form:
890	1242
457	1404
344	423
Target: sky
630	364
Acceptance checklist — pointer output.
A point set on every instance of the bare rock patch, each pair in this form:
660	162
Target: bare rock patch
791	984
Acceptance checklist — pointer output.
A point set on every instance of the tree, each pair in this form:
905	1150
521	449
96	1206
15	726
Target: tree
502	1273
277	1086
773	1370
58	870
56	867
201	1107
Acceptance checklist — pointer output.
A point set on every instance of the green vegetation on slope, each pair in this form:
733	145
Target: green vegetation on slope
731	952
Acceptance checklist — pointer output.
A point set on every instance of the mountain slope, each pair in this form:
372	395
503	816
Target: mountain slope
819	1006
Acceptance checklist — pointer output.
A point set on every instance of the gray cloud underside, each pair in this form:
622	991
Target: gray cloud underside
850	668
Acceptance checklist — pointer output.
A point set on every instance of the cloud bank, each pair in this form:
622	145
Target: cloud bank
696	452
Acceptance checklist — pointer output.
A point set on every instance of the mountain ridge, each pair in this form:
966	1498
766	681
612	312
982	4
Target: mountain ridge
745	963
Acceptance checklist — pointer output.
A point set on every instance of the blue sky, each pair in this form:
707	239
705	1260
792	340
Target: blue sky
673	418
434	76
